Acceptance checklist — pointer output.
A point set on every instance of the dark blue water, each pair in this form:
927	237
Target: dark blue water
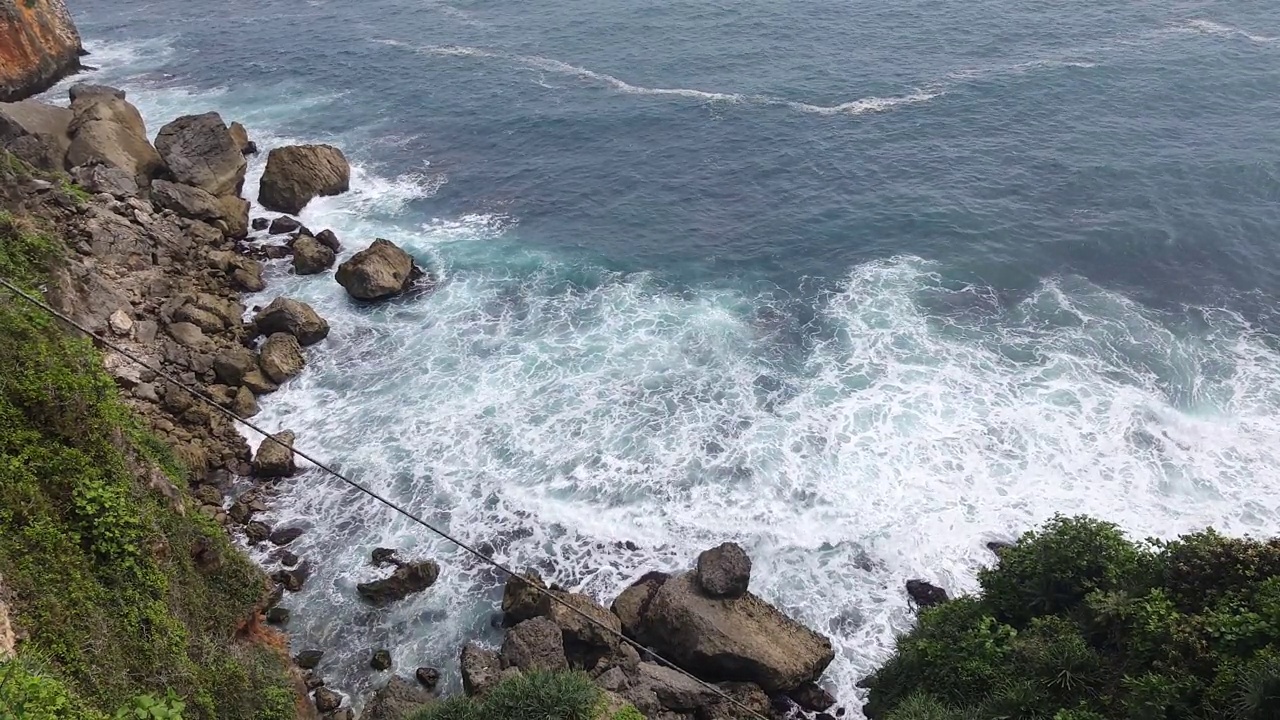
840	280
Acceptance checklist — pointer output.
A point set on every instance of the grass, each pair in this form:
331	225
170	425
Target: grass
537	695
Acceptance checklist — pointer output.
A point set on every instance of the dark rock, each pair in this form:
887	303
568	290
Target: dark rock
283	225
521	599
200	151
281	358
293	580
275	459
308	659
240	137
257	532
745	694
231	365
260	223
675	690
289	559
208	495
297	173
926	594
310	257
380	271
724	571
284	536
428	676
277	616
381	660
294	317
812	697
340	713
327	700
399	699
481	669
384	556
998	547
312	680
409	578
83	89
633	603
535	644
329	240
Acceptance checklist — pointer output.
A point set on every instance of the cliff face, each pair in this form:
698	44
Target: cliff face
39	45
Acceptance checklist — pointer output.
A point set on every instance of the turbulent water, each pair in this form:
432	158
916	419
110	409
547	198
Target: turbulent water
859	285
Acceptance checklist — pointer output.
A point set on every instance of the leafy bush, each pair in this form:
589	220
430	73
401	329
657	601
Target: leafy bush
1077	622
531	696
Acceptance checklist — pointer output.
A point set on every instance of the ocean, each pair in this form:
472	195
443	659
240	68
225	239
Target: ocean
861	286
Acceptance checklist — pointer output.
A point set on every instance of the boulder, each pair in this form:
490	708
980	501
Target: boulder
674	690
409	578
328	239
294	317
102	179
260	223
740	639
186	200
632	604
925	594
275	459
35	132
327	700
308	659
481	669
384	556
812	697
310	257
258	383
399	699
281	358
82	89
428	676
535	644
284	536
381	660
234	222
231	364
283	225
377	272
187	334
277	616
584	640
724	571
293	580
248	277
522	602
297	173
107	130
240	137
244	404
257	532
201	152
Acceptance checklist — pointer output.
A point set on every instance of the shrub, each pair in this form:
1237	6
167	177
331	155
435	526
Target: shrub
529	696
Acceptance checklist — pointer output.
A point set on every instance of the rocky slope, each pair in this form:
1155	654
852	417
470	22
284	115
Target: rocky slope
39	45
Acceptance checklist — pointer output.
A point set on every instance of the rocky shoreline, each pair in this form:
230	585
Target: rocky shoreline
165	248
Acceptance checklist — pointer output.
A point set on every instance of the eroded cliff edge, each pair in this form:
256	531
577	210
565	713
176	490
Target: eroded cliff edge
39	45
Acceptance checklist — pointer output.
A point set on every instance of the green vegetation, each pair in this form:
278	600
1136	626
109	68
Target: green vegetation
99	544
1077	622
533	696
74	191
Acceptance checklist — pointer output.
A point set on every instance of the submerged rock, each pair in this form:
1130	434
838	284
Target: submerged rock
409	578
380	271
428	676
381	660
296	174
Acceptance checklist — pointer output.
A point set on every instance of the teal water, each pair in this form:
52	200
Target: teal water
861	286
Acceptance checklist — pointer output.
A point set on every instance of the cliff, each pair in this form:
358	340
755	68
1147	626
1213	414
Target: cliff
39	45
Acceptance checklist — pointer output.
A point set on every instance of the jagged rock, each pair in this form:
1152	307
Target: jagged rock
481	669
283	225
428	676
308	659
229	213
522	602
187	334
294	317
234	222
724	571
327	700
107	130
632	604
207	320
749	695
83	89
40	47
584	639
257	532
258	383
377	272
535	644
297	173
381	660
328	239
812	697
200	151
384	556
277	616
208	495
926	594
274	460
231	364
120	323
244	405
284	536
260	223
675	691
281	358
240	137
249	277
399	699
409	578
310	257
35	132
293	580
102	179
740	639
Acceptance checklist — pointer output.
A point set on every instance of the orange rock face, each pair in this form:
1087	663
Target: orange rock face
39	45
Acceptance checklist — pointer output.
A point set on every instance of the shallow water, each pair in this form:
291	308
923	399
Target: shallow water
861	287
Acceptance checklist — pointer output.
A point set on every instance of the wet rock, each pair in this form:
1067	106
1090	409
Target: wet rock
327	700
724	571
310	257
284	225
260	223
293	317
925	594
275	459
632	604
312	680
244	404
277	616
281	358
535	644
381	660
289	559
208	495
399	699
297	173
200	151
308	659
329	240
293	579
481	669
812	697
409	578
240	136
257	532
521	599
284	536
380	271
258	383
429	677
384	556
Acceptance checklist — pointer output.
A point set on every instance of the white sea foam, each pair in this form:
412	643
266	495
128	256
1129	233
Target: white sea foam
865	105
1209	27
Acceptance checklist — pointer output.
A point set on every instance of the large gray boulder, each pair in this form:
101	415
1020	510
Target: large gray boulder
724	571
186	200
399	699
297	173
535	644
521	599
740	639
281	358
310	257
275	459
107	130
632	605
35	132
291	316
200	151
377	272
102	179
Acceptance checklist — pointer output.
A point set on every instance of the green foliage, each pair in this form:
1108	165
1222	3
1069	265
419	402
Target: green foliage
529	696
27	692
1078	623
627	712
100	564
148	707
73	191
